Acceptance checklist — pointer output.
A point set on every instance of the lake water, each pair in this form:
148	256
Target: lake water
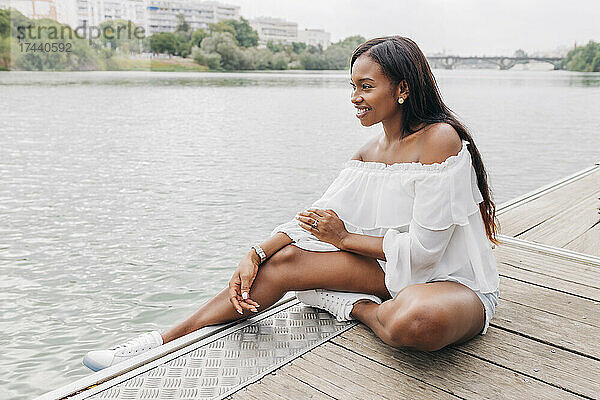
127	199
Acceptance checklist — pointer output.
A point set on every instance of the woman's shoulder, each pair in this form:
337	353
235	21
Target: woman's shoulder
431	144
359	155
439	142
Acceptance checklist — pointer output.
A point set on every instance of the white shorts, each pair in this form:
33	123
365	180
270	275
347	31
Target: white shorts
490	301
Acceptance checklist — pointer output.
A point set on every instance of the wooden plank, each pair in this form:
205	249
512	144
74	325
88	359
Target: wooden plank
551	265
549	328
563	304
517	220
318	381
369	390
588	243
257	390
334	374
452	370
572	221
288	388
547	363
385	380
305	385
551	282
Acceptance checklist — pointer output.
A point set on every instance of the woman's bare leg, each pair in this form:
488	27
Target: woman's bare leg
425	316
291	268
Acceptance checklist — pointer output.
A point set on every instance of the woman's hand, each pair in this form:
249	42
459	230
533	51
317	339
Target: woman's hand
330	228
240	282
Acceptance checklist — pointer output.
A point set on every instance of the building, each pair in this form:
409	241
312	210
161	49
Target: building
94	12
315	37
275	29
162	14
153	15
34	9
66	12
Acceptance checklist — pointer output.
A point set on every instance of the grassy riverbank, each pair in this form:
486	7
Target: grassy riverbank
161	65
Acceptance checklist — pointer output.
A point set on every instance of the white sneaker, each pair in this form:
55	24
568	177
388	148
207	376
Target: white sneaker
100	359
337	303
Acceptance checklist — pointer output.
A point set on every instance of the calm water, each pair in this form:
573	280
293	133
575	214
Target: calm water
127	199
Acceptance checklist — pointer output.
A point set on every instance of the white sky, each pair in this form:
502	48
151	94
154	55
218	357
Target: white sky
463	27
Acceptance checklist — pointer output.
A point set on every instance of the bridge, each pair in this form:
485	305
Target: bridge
504	63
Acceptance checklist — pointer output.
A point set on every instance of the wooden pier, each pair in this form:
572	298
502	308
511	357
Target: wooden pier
542	343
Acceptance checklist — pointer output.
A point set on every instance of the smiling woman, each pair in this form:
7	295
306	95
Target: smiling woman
401	240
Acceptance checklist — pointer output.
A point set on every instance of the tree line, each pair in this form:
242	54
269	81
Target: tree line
233	45
225	46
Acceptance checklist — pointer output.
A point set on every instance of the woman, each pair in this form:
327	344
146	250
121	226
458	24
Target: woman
401	238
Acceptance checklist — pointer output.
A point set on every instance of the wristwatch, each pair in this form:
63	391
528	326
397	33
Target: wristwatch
260	252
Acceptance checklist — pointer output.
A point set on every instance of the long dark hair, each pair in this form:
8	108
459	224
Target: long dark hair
401	59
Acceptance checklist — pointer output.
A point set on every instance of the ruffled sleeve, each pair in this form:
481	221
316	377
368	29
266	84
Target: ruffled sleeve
445	195
293	230
410	256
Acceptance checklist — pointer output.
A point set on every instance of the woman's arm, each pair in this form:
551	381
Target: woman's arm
331	229
365	245
270	246
243	277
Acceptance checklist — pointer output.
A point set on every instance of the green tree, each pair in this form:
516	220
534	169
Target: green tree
310	60
280	61
583	59
4	23
221	27
520	53
5	52
183	28
183	48
275	47
245	35
223	43
351	41
119	34
211	60
164	43
197	37
298	47
241	30
5	40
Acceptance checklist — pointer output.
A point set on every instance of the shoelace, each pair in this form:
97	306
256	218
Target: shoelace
334	305
133	345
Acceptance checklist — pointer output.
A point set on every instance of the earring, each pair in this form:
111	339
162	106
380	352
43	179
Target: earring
400	100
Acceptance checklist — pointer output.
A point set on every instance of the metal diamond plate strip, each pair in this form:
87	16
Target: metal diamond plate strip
223	366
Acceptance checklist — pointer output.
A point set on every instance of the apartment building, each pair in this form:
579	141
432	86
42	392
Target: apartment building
93	12
162	14
315	37
276	29
152	15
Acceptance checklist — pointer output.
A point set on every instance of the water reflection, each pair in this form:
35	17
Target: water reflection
275	78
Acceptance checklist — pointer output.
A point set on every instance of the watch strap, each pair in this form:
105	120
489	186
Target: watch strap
260	252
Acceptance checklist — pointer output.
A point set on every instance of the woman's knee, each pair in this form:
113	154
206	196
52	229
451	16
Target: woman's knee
277	267
416	326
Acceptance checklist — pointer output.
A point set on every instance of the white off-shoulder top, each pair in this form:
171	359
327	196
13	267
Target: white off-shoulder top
427	214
